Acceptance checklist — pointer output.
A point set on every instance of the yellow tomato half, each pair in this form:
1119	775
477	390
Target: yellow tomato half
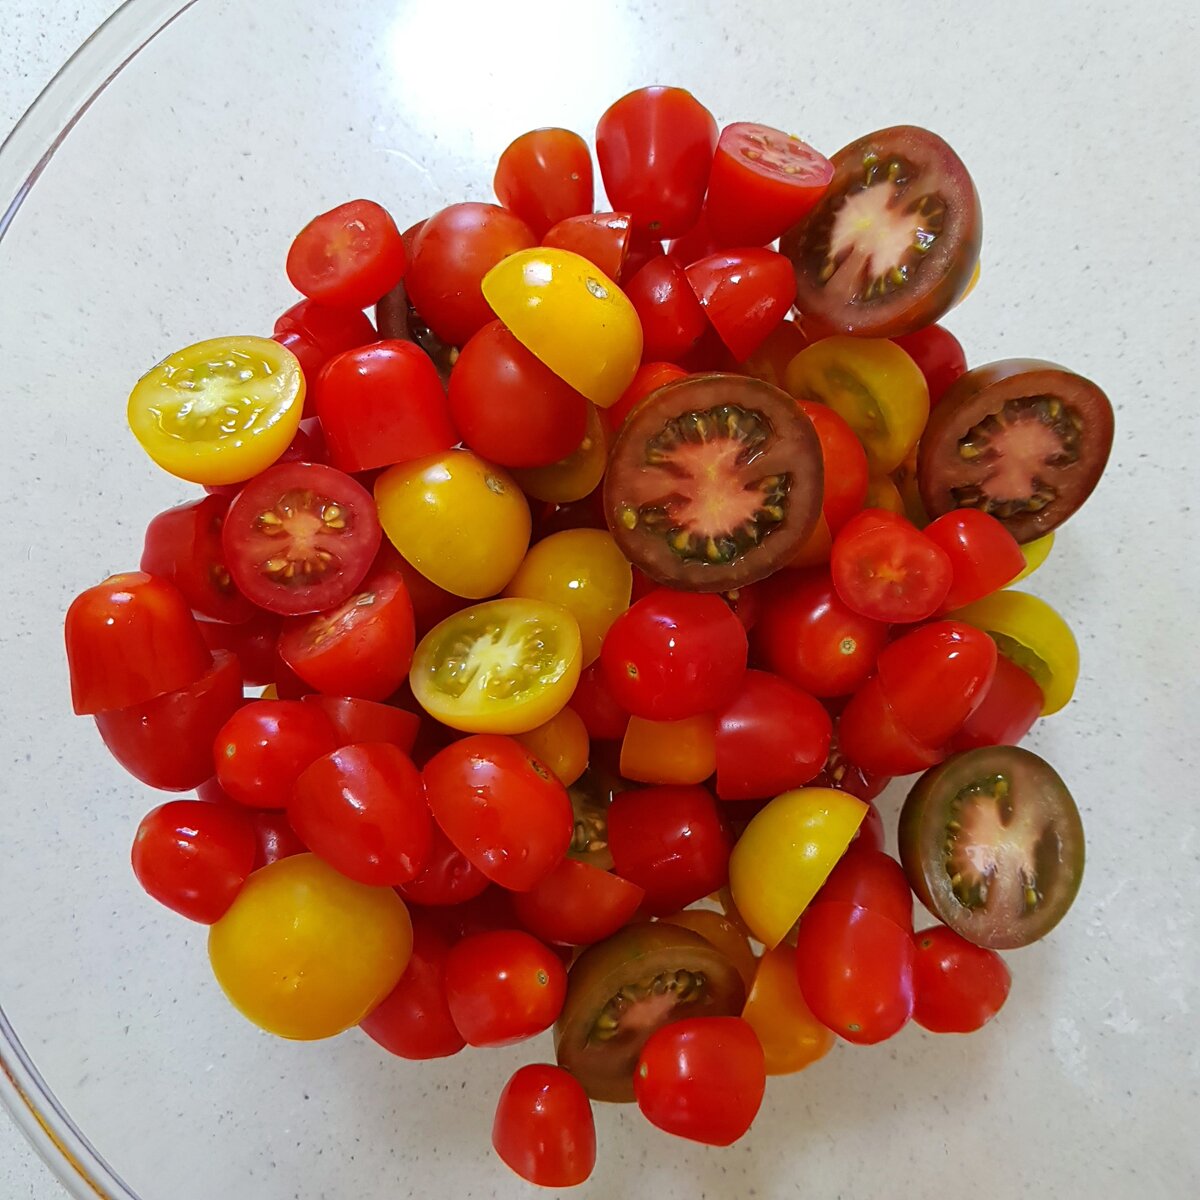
790	1035
561	744
1036	553
575	476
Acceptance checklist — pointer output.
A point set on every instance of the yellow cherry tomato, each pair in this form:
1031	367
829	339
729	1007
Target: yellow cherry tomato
791	1037
882	492
220	411
306	953
1036	553
1031	634
874	385
564	310
669	752
719	931
561	744
575	476
786	853
507	666
585	572
462	522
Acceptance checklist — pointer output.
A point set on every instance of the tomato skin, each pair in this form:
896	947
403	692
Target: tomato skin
328	329
671	842
791	1037
672	318
194	857
274	838
702	1078
252	643
545	176
773	737
939	355
855	970
129	639
601	238
449	877
414	1020
358	720
1007	712
655	150
594	701
544	1129
983	555
503	987
808	635
578	904
452	252
871	736
167	742
263	748
669	752
650	376
560	744
745	294
674	655
870	879
501	807
845	461
958	986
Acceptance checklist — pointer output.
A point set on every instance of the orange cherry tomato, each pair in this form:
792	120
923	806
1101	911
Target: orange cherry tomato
790	1035
680	752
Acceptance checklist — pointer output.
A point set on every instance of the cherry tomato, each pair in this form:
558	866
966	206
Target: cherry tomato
697	243
560	744
449	877
574	477
300	537
509	407
809	636
845	463
219	411
671	842
884	568
669	752
545	177
414	1020
315	333
252	642
601	238
431	604
650	376
871	736
939	355
670	312
306	953
983	555
791	1037
855	970
194	857
745	294
958	987
770	738
130	639
1006	713
451	254
167	742
501	807
655	150
262	749
674	655
718	930
702	1078
503	987
872	880
593	700
460	521
770	363
578	904
274	838
544	1129
642	249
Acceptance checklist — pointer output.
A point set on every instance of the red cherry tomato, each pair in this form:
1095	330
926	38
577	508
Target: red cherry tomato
983	555
577	904
382	404
655	149
601	238
414	1020
451	253
167	742
503	987
773	737
593	700
545	177
674	655
1006	713
870	879
672	319
885	568
509	407
702	1078
855	970
544	1129
642	249
253	643
671	842
959	987
431	604
449	877
699	242
264	747
488	912
274	837
129	639
194	857
315	333
939	355
745	294
873	739
358	720
845	463
649	377
501	807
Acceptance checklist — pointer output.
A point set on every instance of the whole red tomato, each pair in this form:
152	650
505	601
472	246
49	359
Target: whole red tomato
545	177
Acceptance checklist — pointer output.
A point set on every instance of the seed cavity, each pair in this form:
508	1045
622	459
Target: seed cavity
683	987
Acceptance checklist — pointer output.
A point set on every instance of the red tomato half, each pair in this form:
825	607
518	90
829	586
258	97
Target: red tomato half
844	459
650	376
870	879
544	1129
870	735
601	238
744	294
594	701
578	904
253	643
1007	712
673	322
983	555
545	177
315	333
274	837
939	355
358	720
431	604
959	987
449	877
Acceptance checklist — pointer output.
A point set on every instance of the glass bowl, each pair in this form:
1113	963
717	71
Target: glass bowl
148	200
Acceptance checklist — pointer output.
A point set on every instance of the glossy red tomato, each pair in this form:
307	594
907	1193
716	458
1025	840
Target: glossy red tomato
274	838
702	1078
264	747
983	555
431	604
167	742
382	404
194	857
414	1020
642	249
845	462
501	807
358	720
1006	713
129	639
697	243
451	254
578	904
873	739
870	879
509	407
744	294
601	238
252	643
363	648
503	987
855	970
939	355
655	149
958	986
650	376
349	256
672	319
544	1129
674	655
773	737
315	333
449	877
593	700
545	177
671	842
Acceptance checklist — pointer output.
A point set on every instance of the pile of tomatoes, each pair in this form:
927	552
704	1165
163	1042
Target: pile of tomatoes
610	571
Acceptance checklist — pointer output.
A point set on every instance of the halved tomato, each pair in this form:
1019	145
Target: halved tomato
577	904
601	238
